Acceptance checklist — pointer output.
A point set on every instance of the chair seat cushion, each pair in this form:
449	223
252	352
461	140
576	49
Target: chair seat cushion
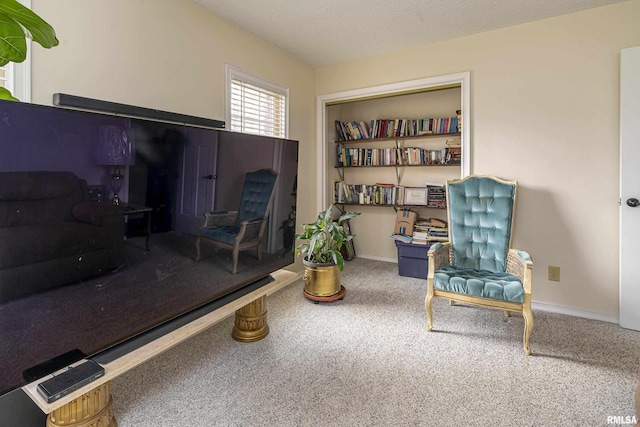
226	234
479	283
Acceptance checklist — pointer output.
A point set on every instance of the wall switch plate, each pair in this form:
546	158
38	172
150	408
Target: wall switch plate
554	273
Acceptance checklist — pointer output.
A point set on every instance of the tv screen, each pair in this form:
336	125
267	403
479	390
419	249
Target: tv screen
52	307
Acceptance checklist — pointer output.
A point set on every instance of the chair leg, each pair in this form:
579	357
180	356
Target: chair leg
506	315
259	249
427	304
234	256
452	302
198	249
528	327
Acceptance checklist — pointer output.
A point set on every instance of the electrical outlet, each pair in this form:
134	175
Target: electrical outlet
554	273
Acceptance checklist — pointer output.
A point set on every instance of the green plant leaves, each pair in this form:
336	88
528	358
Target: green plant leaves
347	215
13	44
6	95
35	27
324	238
16	24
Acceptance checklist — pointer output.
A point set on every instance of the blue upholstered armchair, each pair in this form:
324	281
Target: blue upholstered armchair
477	265
244	228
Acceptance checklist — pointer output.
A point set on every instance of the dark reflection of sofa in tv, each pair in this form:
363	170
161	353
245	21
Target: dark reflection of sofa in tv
51	234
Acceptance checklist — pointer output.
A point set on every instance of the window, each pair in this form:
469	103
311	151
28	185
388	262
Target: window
5	78
255	105
17	77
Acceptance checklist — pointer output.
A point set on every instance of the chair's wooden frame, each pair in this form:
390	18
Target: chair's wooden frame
249	235
521	268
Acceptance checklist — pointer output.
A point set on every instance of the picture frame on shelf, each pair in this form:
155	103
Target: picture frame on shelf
415	196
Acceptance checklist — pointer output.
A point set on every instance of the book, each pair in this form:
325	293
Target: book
338	195
340	131
402	238
437	222
362	128
454	142
420	234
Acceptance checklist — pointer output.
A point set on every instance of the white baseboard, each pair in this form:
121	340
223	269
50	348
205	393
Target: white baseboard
573	312
378	258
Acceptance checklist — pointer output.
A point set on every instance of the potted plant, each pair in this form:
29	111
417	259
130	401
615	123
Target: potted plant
323	262
16	24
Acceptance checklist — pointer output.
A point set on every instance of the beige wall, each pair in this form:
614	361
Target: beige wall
545	112
169	55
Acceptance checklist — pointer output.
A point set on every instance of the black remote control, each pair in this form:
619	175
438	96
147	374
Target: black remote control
70	380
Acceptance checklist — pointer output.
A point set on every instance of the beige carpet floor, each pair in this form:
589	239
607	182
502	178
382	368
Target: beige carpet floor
368	361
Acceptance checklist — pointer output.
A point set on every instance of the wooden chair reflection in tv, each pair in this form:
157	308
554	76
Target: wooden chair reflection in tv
242	229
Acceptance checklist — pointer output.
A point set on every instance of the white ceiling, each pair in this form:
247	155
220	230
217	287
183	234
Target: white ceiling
324	32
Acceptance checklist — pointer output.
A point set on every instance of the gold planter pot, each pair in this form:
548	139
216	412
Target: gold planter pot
322	281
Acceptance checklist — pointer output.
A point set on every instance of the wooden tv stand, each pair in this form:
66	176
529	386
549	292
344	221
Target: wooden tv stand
92	405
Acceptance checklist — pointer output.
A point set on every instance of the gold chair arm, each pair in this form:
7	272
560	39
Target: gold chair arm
520	264
439	255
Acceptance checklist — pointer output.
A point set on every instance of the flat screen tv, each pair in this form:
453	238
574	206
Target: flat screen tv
179	172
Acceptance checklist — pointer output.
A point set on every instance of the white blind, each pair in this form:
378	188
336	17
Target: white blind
257	110
4	77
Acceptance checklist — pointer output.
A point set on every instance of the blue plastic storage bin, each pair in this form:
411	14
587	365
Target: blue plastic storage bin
412	260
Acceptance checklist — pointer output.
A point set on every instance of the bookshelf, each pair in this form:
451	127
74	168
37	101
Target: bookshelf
439	96
362	146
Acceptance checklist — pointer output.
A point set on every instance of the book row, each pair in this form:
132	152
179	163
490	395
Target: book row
389	128
363	194
408	156
389	194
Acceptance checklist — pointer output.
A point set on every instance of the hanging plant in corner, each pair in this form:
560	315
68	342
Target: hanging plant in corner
16	24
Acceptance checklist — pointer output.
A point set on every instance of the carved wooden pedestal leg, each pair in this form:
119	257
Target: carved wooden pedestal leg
92	409
251	321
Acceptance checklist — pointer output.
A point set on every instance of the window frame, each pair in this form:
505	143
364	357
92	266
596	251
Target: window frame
234	73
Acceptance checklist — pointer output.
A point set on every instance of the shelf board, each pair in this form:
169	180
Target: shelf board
388	206
398	166
399	138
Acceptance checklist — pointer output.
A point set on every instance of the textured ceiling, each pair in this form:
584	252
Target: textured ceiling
324	32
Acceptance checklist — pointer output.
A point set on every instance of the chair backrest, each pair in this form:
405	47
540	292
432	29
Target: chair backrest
257	194
480	210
